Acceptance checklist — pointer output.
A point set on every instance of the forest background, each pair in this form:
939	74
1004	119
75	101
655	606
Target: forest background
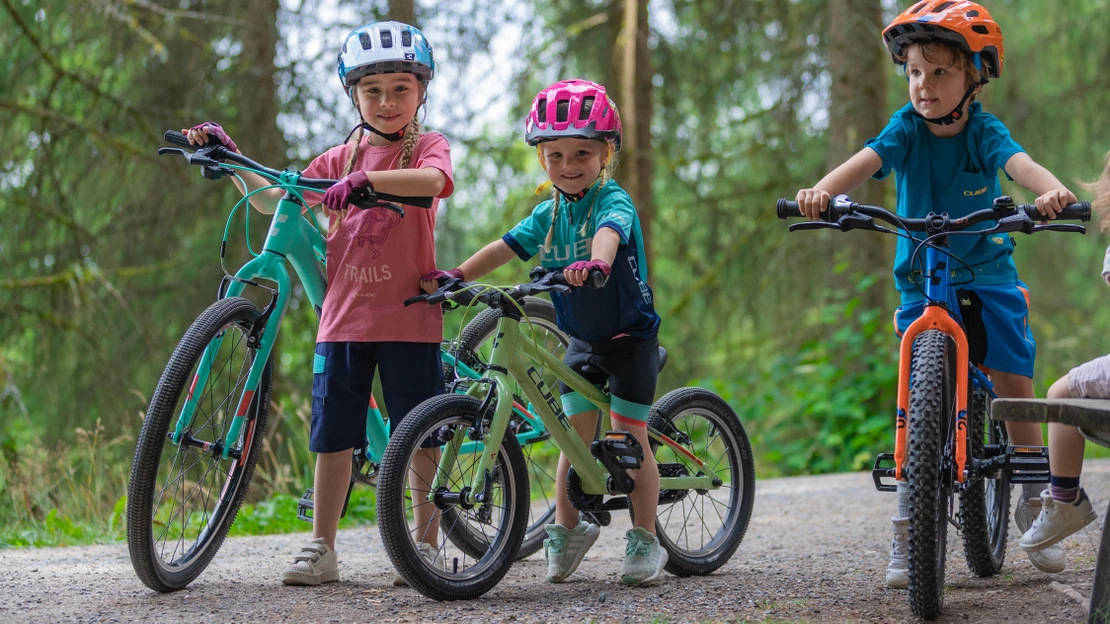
108	252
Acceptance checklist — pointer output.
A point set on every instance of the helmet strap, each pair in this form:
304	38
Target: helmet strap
958	112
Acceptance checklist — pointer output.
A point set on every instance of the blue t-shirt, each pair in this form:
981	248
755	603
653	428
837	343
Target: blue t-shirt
625	304
957	175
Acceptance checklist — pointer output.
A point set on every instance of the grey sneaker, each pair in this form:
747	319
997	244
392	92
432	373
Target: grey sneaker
644	558
1056	522
564	548
428	553
898	570
315	564
1052	558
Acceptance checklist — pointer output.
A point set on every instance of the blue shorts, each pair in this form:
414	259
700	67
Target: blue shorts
996	319
343	375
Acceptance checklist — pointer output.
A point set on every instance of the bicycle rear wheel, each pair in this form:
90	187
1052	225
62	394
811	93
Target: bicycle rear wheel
701	529
928	477
985	502
182	498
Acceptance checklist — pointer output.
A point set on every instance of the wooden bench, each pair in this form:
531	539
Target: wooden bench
1092	416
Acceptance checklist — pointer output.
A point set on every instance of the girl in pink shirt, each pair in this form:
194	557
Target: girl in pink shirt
374	262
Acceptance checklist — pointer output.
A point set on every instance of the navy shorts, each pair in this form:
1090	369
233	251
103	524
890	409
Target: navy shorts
629	365
343	375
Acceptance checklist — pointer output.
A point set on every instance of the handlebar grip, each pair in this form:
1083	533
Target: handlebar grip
788	209
1076	212
173	137
596	279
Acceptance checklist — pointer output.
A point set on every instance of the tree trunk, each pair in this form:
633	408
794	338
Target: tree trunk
635	105
402	11
857	67
257	83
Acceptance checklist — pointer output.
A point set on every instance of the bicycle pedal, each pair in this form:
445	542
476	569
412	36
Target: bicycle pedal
305	505
618	452
1027	464
600	518
879	472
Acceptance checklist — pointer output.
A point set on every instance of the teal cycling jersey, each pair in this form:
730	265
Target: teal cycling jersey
626	304
956	175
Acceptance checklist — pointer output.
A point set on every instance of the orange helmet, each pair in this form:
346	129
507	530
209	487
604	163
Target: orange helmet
966	24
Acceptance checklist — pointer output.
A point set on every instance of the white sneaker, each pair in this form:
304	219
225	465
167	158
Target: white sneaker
1057	521
315	564
564	548
1051	559
428	553
898	570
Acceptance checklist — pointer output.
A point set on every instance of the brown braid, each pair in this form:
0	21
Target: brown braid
412	134
356	147
554	215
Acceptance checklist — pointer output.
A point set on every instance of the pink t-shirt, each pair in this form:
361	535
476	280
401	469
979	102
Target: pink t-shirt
376	257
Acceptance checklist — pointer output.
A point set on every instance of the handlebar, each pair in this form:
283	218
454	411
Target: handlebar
213	153
543	280
844	214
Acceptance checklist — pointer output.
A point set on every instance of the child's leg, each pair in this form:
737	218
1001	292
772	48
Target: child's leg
1012	386
1065	443
645	496
330	483
585	423
411	373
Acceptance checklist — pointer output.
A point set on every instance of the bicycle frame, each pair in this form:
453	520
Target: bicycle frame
938	288
292	238
514	357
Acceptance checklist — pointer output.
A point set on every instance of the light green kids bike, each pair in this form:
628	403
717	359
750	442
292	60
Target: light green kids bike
707	478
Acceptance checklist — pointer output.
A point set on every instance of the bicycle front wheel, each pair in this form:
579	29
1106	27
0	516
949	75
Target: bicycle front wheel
182	498
408	517
701	529
928	479
540	452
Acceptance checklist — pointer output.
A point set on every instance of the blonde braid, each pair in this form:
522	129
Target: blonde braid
412	134
606	176
356	147
554	215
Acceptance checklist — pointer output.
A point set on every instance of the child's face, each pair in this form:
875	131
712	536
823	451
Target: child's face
937	86
389	101
574	164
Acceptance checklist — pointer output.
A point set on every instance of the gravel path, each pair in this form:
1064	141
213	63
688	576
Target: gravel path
815	552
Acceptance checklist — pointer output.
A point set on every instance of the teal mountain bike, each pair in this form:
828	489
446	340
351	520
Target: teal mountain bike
204	428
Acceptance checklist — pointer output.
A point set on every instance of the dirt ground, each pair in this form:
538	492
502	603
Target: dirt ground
815	552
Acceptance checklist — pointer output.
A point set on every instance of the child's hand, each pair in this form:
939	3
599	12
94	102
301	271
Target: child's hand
199	134
577	272
812	202
339	195
430	282
1053	202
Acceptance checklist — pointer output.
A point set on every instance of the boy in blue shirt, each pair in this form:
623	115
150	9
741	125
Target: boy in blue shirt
945	152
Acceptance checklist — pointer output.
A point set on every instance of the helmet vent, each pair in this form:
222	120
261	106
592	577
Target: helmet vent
387	39
981	29
364	40
406	39
943	6
917	9
587	105
973	13
541	110
562	110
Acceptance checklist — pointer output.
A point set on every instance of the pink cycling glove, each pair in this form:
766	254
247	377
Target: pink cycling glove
583	265
438	275
339	195
216	131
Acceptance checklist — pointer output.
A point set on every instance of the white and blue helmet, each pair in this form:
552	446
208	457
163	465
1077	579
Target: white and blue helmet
385	48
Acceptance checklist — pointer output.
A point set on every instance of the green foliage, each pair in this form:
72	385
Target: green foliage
828	406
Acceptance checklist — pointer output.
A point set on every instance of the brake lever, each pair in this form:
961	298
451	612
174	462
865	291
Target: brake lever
813	225
856	221
1061	227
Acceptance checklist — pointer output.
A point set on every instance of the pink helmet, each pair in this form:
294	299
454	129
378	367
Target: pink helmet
573	108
